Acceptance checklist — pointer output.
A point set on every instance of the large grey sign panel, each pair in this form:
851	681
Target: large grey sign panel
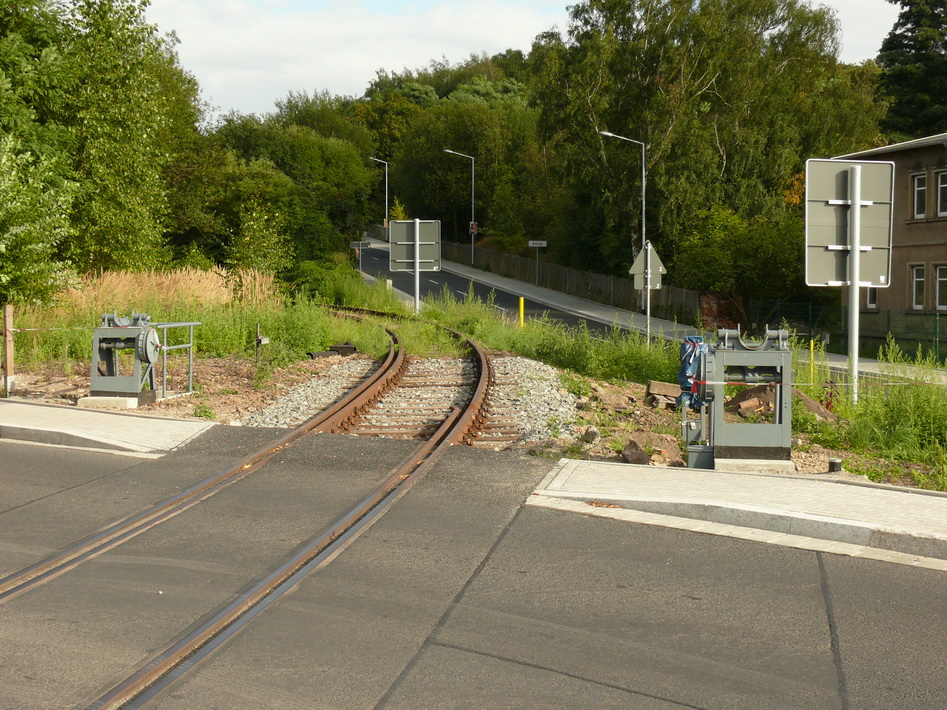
827	222
401	251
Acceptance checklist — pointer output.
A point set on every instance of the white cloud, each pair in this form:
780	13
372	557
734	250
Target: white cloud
246	56
865	24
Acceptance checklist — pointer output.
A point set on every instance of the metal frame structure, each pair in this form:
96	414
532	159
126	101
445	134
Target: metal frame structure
735	361
139	334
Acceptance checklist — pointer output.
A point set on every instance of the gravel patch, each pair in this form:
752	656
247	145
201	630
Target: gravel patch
304	400
528	391
531	393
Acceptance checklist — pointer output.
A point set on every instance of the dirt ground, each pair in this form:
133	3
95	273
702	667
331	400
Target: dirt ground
615	422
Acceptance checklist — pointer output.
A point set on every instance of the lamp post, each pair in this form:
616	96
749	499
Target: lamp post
644	157
473	220
645	248
385	221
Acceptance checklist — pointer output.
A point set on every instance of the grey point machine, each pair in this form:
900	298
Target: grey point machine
111	377
714	443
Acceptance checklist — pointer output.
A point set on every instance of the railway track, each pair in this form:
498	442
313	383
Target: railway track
439	403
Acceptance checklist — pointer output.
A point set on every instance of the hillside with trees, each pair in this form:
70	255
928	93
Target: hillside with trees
111	161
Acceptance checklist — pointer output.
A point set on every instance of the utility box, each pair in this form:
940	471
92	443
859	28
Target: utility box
713	442
124	353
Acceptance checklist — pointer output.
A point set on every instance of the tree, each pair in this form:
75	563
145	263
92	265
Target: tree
120	123
328	177
913	59
34	79
730	96
34	208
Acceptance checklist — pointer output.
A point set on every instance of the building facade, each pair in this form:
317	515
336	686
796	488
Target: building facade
919	234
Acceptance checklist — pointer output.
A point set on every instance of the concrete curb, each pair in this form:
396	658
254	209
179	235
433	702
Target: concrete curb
853	532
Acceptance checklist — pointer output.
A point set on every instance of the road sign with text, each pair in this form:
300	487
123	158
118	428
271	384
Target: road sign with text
403	241
828	222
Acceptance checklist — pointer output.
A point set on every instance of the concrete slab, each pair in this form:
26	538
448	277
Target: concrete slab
900	520
113	431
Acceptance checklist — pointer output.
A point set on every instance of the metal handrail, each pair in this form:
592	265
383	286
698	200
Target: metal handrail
165	348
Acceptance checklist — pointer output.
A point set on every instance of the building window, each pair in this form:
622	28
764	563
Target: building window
871	298
942	194
920	196
917	287
942	288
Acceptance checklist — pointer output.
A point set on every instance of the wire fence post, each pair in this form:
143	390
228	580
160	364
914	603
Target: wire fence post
8	376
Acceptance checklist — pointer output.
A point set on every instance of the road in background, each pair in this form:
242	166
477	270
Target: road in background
433	283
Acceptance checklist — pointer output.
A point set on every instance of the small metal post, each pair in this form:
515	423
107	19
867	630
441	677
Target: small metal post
190	360
417	266
164	363
8	377
647	289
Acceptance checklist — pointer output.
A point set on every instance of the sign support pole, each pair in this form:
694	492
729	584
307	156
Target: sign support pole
647	288
417	266
854	273
8	377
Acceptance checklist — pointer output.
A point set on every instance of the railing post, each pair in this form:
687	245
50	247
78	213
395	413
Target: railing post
8	376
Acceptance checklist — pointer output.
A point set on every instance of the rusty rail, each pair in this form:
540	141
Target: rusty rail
39	572
169	665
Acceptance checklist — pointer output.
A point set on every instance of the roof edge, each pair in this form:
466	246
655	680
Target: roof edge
926	142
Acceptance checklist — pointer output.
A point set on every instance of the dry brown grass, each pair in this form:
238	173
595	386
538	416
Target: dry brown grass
167	289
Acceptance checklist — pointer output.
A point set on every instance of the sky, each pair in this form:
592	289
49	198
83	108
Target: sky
248	54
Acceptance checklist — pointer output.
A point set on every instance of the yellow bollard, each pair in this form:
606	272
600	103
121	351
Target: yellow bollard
522	312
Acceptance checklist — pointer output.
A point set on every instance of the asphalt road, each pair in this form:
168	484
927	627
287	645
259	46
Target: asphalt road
375	263
460	596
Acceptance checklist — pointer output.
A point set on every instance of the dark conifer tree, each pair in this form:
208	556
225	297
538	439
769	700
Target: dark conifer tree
913	60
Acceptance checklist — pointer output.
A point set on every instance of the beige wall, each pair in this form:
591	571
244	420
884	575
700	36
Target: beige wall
915	242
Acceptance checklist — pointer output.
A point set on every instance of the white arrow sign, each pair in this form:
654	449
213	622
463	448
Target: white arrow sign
647	260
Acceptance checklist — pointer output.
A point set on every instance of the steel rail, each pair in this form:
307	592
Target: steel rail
167	667
110	537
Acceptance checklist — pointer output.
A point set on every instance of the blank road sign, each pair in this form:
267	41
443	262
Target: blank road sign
828	211
401	253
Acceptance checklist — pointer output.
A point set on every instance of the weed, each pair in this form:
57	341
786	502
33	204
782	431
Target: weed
204	411
555	426
575	385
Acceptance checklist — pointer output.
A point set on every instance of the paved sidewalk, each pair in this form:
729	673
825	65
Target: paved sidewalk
862	519
118	432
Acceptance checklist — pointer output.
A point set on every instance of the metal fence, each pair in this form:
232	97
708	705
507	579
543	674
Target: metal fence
911	330
668	302
829	323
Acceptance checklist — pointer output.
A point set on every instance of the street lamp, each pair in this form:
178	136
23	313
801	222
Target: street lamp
473	221
385	222
644	157
645	253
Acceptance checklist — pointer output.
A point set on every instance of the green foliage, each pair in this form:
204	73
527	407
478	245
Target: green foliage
730	98
34	208
913	59
323	182
261	243
618	356
204	411
118	121
746	260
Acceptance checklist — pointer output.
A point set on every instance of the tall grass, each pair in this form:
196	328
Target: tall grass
229	307
618	355
901	417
